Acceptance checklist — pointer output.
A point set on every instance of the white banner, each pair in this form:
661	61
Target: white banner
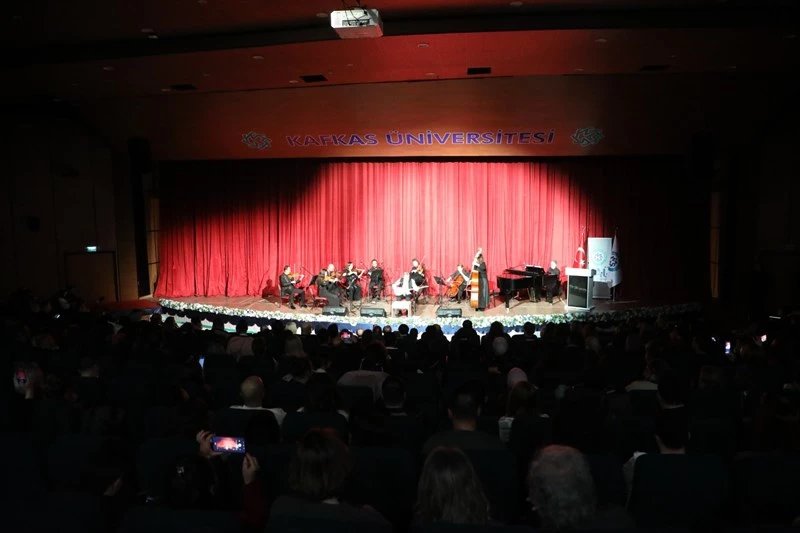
598	255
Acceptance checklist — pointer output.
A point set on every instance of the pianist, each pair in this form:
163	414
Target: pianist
552	281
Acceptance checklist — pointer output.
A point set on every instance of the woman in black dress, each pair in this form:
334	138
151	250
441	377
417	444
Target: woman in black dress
483	280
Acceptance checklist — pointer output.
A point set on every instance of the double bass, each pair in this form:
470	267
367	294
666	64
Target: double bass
474	282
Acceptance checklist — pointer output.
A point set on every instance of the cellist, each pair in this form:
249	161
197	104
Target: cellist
457	281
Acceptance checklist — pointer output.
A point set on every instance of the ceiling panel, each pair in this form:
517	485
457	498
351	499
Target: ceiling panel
41	22
420	57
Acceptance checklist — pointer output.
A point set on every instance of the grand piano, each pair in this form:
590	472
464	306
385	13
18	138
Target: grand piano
512	281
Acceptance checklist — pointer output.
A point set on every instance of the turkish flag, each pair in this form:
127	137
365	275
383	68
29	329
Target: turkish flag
580	258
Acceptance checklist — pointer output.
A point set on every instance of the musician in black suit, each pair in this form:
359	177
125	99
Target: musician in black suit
351	276
460	278
552	283
417	275
288	288
375	280
328	286
479	264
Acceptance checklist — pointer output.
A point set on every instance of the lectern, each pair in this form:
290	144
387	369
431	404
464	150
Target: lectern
580	288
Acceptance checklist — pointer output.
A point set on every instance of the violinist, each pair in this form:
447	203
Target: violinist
458	282
288	282
417	272
351	277
328	286
375	280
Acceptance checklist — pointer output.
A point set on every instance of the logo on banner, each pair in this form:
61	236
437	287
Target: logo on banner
599	259
588	136
256	141
613	262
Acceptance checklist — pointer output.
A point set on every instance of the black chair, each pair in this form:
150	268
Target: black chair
766	488
678	490
486	424
69	454
274	470
295	425
497	470
529	434
361	398
632	434
68	512
644	402
370	484
609	480
22	467
154	459
442	527
712	435
288	395
155	519
407	432
328	519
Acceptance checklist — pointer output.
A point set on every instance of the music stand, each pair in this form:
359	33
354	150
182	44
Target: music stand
440	280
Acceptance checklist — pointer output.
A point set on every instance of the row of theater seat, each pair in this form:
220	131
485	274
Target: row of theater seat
668	490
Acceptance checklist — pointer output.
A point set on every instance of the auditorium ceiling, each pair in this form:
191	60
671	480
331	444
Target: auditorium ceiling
88	49
126	65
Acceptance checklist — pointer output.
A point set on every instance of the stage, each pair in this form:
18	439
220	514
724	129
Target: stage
260	311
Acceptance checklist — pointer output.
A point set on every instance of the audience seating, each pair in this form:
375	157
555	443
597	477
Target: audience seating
154	459
497	470
715	486
355	397
297	424
155	519
385	479
768	487
678	490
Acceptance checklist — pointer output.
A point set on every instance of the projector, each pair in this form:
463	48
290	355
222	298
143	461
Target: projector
357	23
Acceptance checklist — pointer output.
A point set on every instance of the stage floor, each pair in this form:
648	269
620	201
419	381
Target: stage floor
518	312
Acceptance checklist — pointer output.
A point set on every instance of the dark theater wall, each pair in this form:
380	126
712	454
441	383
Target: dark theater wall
527	117
58	197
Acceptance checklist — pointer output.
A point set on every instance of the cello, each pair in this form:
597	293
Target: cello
474	282
452	290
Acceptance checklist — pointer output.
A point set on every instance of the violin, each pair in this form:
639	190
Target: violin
332	276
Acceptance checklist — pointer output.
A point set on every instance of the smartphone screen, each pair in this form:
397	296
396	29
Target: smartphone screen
345	335
727	347
228	444
202	361
21	377
763	338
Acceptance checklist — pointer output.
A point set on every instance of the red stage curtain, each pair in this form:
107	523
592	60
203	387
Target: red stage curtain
228	227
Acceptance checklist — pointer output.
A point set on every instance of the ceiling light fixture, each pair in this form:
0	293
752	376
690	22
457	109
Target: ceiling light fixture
166	89
515	4
430	74
258	57
108	69
601	40
422	45
152	36
322	15
294	81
